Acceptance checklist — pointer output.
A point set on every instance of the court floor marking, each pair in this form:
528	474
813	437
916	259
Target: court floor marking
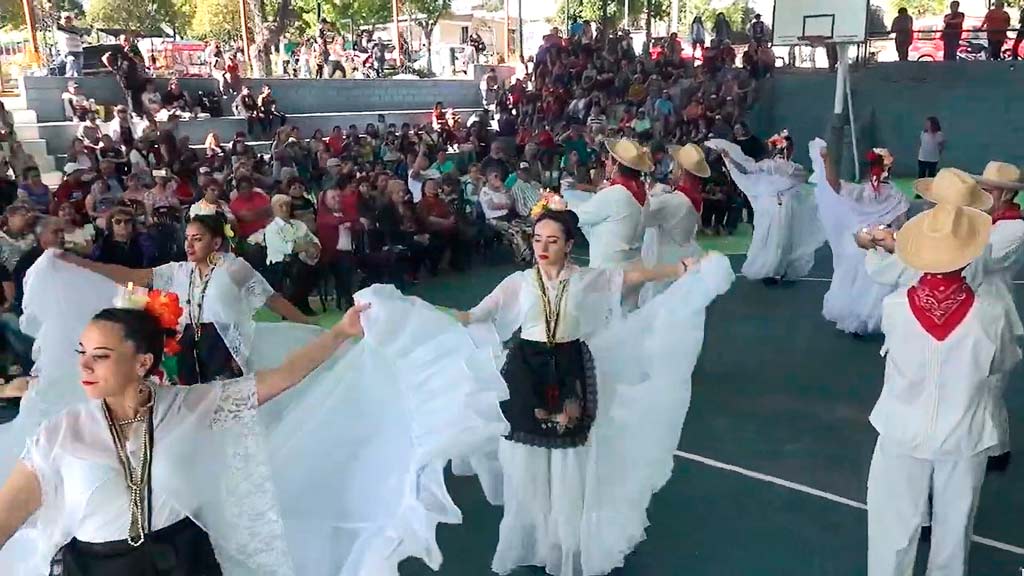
822	494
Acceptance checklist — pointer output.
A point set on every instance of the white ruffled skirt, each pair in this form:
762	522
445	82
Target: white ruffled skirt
356	452
581	511
787	232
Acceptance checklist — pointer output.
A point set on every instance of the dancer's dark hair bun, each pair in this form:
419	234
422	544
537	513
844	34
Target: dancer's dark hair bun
213	224
566	218
140	328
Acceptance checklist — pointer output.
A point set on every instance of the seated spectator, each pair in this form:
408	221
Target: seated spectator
339	229
164	192
176	99
34	191
16	237
438	221
246	106
401	234
152	103
49	234
89	131
292	254
268	109
100	201
496	201
212	202
77	234
525	191
251	207
122	244
76	104
73	189
642	127
443	165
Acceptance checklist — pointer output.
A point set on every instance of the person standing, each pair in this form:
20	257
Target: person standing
125	61
698	36
903	29
758	32
996	24
940	334
952	30
69	43
933	142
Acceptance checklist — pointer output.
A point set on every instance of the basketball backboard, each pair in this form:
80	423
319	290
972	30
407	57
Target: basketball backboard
841	21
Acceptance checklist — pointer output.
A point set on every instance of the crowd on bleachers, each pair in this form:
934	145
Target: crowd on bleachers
321	214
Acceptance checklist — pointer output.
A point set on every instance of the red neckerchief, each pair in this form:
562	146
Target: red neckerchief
690	186
635	187
1011	212
940	302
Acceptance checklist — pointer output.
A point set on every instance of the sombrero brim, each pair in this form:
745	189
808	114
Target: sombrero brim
642	162
923	188
929	253
1002	184
699	168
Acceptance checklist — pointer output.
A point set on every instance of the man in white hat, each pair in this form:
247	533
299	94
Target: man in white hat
940	415
674	214
613	220
787	231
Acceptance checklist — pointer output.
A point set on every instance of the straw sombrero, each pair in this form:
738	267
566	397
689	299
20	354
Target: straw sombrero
943	239
1001	175
629	153
691	158
956	187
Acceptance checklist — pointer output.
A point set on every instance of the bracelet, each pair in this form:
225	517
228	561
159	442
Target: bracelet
686	267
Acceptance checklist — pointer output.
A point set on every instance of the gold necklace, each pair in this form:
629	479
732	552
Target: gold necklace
552	314
137	478
195	317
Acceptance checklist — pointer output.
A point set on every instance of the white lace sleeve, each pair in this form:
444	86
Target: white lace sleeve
38	457
163	276
237	403
501	306
254	288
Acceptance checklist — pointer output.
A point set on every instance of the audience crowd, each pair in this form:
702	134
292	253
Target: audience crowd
322	214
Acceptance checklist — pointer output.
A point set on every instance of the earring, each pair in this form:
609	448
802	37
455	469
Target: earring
213	259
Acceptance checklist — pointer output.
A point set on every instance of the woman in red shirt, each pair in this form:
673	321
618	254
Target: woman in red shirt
436	218
339	229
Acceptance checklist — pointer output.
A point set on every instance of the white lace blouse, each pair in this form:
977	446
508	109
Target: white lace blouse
205	438
591	301
235	292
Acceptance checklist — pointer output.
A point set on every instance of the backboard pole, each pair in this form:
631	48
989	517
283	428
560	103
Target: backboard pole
837	133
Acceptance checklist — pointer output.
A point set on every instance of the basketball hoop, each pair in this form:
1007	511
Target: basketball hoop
815	41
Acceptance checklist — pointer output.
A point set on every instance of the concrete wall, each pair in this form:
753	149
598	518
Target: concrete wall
977	103
42	94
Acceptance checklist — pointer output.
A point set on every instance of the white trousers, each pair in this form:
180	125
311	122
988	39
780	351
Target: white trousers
543	492
898	487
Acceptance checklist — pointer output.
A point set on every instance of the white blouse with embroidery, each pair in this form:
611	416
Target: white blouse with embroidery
235	292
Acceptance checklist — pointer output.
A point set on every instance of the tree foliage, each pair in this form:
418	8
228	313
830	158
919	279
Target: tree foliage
219	19
339	12
426	13
918	8
738	12
136	16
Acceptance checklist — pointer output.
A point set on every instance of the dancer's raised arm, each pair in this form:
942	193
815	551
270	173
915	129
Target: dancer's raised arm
20	497
119	274
271	383
641	275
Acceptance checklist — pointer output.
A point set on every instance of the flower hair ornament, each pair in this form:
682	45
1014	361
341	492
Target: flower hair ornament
549	201
164	306
778	141
879	162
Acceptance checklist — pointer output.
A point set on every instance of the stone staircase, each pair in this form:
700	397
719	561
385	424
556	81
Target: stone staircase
25	121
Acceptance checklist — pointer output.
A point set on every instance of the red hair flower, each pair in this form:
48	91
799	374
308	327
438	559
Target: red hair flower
166	307
171	346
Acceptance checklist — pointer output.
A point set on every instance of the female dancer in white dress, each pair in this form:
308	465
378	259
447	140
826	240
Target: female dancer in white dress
787	231
221	292
673	219
593	423
343	475
854	301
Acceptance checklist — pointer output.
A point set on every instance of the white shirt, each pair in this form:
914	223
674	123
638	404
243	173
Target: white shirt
492	201
944	399
281	237
931	143
68	42
613	222
591	299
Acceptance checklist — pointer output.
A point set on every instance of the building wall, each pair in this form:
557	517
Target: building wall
977	104
42	94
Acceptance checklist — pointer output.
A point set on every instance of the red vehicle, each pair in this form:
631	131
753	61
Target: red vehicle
927	46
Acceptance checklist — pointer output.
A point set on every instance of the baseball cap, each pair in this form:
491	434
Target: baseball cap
333	162
524	165
72	167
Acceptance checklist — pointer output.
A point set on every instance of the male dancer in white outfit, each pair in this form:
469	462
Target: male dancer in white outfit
673	219
941	336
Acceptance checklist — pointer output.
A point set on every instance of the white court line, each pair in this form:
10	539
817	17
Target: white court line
822	494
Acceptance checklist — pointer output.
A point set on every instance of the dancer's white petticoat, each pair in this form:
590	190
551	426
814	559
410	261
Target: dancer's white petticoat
853	301
341	476
787	230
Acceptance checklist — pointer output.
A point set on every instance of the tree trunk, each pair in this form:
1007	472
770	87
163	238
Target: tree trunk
428	31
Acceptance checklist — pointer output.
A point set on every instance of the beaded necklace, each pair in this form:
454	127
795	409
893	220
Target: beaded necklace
138	477
195	313
552	314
